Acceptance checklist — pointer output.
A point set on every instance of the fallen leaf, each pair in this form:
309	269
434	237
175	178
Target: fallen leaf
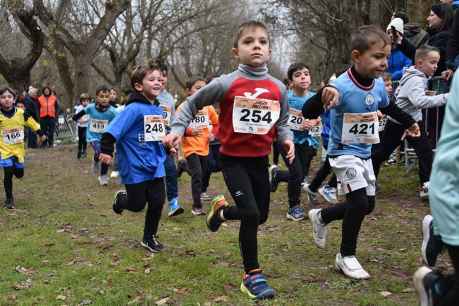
385	293
220	299
61	297
131	269
25	271
23	285
85	302
163	301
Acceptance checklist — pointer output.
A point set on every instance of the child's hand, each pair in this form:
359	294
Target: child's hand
172	141
105	158
41	139
380	115
289	148
447	74
413	131
308	123
330	97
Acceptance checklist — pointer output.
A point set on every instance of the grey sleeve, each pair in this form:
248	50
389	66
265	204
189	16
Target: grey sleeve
416	93
172	106
283	131
210	94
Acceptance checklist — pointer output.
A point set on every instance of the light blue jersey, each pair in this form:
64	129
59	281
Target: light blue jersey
354	99
296	102
98	121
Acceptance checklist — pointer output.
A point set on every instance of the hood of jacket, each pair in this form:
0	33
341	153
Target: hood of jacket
139	98
410	73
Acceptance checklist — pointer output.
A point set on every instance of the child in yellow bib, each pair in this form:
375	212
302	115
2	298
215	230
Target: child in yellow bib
12	152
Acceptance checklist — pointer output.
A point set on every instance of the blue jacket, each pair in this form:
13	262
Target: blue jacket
397	63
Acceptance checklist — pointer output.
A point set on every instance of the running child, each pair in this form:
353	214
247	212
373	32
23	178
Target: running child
12	122
354	129
82	125
100	115
305	138
195	144
254	107
138	132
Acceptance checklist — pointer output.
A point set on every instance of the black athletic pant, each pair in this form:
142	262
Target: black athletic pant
352	212
8	179
48	125
198	166
392	134
452	297
139	195
276	153
82	144
247	180
297	171
213	165
324	171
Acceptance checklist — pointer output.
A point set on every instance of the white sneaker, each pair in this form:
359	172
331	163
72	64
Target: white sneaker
103	180
424	192
271	168
319	230
114	174
351	267
328	193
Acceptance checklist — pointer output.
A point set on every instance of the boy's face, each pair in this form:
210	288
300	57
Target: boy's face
388	86
253	47
163	79
113	95
429	63
196	86
103	98
434	21
84	102
20	105
6	100
151	85
301	79
372	63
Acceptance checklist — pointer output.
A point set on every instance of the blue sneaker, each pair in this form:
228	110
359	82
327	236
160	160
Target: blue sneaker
295	213
256	287
329	194
174	208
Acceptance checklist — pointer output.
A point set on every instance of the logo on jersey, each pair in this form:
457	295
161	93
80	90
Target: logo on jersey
258	92
369	100
351	173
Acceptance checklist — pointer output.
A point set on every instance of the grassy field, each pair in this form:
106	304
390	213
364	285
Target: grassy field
64	246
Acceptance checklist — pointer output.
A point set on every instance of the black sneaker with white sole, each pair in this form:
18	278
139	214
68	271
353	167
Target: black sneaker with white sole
432	245
152	244
431	286
120	197
9	203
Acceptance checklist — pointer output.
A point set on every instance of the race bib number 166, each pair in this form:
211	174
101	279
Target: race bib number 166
254	116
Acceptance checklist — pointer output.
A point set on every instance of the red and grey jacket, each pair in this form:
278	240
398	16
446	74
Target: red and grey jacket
248	82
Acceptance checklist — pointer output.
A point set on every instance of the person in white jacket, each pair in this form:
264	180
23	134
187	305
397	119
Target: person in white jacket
412	96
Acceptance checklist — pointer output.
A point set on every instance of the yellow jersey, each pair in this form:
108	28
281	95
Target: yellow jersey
12	134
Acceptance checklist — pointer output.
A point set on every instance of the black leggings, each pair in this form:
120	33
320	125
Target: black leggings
276	152
198	166
82	144
138	195
453	294
321	175
392	134
297	171
247	180
8	179
352	212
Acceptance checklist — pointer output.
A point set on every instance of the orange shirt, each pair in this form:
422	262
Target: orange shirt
201	126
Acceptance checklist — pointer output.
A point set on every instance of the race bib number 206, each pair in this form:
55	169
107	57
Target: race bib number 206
360	128
254	116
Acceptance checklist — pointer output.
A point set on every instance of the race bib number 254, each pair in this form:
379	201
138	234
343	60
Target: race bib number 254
254	116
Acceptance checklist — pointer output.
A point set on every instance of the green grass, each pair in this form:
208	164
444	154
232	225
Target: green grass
71	249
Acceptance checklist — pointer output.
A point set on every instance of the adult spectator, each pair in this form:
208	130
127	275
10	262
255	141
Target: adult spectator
48	105
398	61
31	106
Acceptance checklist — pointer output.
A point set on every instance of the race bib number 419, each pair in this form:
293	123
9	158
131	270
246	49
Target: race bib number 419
154	127
360	128
98	126
13	136
254	116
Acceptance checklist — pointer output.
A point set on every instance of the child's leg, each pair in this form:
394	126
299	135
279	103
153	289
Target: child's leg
194	164
136	197
306	155
8	181
156	196
80	140
423	150
323	172
453	294
276	153
294	176
171	177
259	177
83	137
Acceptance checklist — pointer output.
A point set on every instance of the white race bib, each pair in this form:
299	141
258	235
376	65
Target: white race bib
316	131
167	114
13	136
97	125
295	120
360	128
154	127
200	121
382	123
254	116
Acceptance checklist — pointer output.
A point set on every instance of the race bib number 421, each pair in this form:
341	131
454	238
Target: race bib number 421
154	127
254	116
13	136
360	128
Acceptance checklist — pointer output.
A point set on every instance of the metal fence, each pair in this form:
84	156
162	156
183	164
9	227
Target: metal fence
66	130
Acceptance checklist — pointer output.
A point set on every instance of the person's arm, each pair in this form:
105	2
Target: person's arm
283	131
31	123
117	128
78	115
417	95
315	105
107	144
395	112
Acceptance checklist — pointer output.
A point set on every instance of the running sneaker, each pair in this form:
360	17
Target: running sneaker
328	193
214	219
424	191
312	196
152	244
9	203
274	179
351	267
174	208
431	286
256	286
103	180
431	244
197	211
114	174
319	229
295	213
95	167
205	197
120	196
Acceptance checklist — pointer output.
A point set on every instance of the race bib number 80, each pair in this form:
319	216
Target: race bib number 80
360	128
13	136
154	127
254	116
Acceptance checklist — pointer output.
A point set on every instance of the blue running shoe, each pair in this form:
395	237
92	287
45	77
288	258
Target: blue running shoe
256	287
329	194
174	208
295	213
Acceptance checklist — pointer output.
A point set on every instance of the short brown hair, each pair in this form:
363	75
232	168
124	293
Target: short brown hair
367	36
422	52
8	89
140	71
247	25
387	77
